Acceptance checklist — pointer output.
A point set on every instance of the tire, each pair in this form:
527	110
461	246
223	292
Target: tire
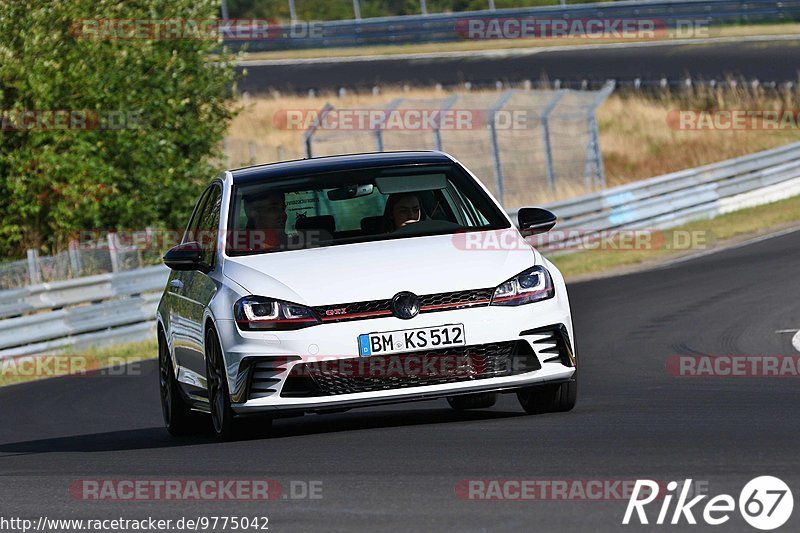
179	418
223	419
481	400
224	422
557	398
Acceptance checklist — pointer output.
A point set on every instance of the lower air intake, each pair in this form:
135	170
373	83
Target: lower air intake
413	369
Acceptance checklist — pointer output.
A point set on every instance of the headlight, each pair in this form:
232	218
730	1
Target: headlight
260	313
533	285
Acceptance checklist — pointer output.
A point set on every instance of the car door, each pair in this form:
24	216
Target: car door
179	307
199	286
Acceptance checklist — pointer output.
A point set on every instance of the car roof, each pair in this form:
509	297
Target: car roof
317	165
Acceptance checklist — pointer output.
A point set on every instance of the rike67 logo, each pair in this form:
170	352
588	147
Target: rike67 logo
765	503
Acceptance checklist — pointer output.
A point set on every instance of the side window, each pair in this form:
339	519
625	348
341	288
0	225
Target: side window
209	225
191	229
465	210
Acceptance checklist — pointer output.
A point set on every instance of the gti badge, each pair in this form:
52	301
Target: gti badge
405	305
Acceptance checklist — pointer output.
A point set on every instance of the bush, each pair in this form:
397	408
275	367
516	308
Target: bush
169	100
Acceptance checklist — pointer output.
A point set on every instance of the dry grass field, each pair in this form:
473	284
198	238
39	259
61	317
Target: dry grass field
636	139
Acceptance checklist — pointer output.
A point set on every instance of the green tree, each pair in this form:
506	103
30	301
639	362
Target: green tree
162	109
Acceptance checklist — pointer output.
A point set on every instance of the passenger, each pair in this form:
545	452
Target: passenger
401	210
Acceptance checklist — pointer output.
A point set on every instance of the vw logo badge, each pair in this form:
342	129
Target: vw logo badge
405	305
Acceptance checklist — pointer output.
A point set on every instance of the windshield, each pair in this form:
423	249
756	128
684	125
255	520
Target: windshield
357	206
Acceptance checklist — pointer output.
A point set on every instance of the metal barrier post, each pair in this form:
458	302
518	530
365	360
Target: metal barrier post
309	134
379	130
548	147
75	259
112	251
498	166
593	168
34	273
437	129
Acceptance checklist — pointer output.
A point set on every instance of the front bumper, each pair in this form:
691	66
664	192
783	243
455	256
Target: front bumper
259	363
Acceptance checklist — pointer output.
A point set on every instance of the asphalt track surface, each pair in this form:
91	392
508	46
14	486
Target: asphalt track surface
396	468
766	61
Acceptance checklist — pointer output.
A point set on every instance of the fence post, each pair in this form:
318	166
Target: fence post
34	272
309	134
251	146
75	259
112	251
498	165
593	168
379	130
548	146
437	129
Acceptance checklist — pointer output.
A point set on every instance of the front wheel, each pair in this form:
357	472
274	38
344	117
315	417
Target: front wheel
223	420
553	398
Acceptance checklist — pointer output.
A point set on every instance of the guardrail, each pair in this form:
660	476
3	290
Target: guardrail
680	197
120	307
445	27
83	312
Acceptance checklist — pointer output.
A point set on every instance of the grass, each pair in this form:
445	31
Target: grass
706	234
637	143
91	362
635	138
505	44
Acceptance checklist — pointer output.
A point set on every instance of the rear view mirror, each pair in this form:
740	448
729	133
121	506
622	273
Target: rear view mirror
350	191
186	256
534	220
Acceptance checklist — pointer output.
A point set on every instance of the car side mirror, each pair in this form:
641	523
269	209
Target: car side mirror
186	256
535	220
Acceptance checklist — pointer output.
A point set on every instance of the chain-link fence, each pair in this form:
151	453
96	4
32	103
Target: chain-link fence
89	259
527	146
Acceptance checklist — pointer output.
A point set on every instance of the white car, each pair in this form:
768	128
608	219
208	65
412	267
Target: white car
329	283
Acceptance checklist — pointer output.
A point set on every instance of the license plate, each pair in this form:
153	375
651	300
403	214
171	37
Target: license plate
410	340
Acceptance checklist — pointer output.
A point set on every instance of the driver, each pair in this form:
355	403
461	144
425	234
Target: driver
401	209
266	220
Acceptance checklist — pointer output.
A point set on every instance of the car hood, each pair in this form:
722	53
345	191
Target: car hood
379	270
